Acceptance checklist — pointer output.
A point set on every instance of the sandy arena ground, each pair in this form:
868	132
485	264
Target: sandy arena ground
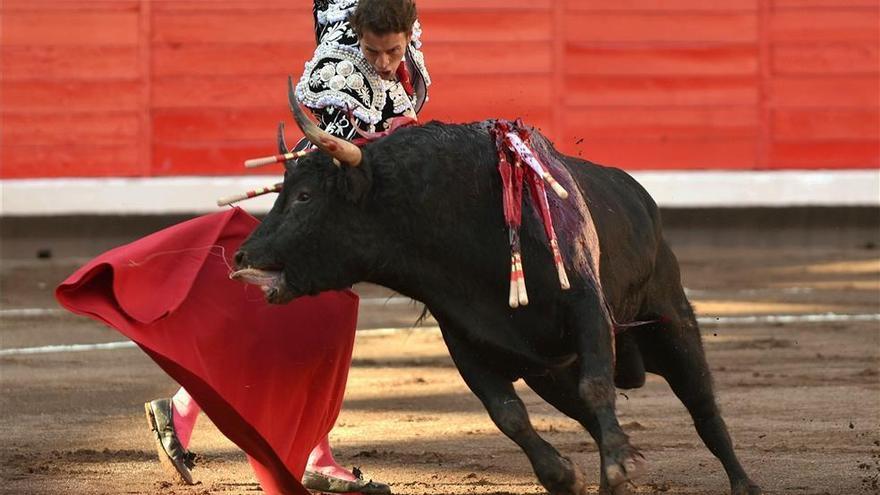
802	400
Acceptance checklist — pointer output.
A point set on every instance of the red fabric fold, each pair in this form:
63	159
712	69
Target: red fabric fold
271	378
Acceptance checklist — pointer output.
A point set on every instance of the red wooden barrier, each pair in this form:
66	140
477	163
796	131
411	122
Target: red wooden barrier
178	87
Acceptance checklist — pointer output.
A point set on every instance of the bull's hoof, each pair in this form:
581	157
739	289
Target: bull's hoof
626	465
745	487
570	481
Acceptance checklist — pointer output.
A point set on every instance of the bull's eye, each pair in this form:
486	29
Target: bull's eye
303	197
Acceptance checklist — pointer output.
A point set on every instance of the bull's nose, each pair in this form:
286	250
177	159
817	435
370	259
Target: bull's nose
240	259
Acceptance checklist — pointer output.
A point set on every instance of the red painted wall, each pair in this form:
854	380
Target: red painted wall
168	87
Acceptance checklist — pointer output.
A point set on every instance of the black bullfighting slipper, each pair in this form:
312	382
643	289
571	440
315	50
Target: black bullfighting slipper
174	458
318	482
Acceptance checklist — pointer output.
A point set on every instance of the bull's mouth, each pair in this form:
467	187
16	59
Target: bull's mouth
271	282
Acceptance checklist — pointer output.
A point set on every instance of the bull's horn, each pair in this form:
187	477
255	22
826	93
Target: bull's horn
282	144
340	149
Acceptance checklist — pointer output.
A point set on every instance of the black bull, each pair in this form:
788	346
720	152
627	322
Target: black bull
422	215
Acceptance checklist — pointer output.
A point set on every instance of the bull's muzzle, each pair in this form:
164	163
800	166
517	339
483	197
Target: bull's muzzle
270	281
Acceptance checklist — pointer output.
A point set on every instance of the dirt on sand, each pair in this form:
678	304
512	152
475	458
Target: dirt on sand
801	399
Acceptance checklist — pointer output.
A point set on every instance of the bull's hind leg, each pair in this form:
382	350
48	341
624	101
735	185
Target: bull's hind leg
674	350
621	461
558	474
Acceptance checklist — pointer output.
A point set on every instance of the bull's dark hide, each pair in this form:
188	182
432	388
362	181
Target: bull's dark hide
422	215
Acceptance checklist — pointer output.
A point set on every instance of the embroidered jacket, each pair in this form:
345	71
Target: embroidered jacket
338	78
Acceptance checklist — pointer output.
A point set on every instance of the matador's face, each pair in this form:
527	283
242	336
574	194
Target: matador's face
384	51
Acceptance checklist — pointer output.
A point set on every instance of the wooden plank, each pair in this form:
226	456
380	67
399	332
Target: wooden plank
833	155
475	5
785	4
825	92
68	128
213	124
825	124
837	58
508	57
490	96
69	62
25	28
661	5
660	91
208	157
278	59
303	6
270	6
232	27
74	160
505	25
65	96
671	27
69	5
655	61
220	92
145	143
663	124
634	154
825	25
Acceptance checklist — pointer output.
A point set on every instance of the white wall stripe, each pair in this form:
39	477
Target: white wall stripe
193	195
703	320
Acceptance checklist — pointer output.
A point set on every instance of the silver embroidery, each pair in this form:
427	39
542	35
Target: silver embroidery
324	92
345	68
355	82
336	11
418	59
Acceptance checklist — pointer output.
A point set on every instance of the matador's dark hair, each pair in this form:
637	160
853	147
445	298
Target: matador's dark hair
383	16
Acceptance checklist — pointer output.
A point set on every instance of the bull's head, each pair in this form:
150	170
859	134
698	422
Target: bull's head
313	237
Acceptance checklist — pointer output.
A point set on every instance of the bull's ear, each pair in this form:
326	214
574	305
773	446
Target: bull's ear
355	182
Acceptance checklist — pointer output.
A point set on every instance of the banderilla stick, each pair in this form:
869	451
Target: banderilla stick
235	198
520	280
521	149
269	160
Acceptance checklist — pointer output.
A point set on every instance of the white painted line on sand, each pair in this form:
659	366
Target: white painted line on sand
30	312
51	349
703	320
41	312
387	301
807	318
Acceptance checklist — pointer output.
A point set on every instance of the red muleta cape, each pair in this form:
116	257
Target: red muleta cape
271	378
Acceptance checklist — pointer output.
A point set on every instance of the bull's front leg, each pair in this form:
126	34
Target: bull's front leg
595	342
558	474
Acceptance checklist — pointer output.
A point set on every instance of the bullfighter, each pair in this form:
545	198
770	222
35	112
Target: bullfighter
366	71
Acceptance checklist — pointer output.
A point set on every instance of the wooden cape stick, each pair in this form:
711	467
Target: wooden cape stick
269	160
235	198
